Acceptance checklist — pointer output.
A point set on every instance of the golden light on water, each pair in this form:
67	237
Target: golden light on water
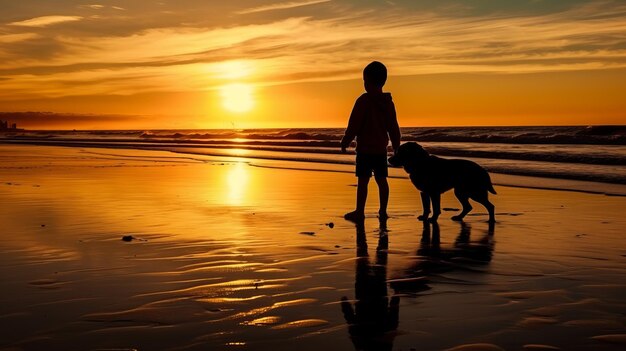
237	184
239	152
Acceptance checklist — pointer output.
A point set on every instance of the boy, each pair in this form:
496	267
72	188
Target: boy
373	122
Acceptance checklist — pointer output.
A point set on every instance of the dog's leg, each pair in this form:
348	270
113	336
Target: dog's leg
483	199
436	200
491	209
464	200
425	206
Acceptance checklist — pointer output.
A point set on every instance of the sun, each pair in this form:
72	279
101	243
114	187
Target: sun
237	97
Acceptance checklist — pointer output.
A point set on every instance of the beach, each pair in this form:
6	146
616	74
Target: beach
122	249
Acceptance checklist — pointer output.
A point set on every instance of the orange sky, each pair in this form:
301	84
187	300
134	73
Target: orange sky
191	64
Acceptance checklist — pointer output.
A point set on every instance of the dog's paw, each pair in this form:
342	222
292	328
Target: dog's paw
423	217
457	218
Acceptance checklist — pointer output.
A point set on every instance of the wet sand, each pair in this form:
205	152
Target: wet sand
224	255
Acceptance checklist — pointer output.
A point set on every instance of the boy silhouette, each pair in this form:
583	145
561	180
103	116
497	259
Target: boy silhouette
373	122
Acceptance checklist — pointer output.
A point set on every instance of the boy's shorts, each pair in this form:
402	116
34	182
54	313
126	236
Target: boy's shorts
366	164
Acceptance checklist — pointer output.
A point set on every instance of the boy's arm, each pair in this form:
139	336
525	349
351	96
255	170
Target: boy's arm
394	129
354	123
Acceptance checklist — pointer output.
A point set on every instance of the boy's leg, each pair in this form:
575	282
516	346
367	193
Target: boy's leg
363	173
361	198
380	174
383	195
361	194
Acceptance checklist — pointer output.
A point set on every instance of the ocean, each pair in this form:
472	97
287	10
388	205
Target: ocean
582	155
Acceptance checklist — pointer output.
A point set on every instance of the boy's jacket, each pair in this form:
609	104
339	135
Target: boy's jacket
373	122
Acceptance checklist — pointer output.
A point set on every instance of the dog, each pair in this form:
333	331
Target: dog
433	176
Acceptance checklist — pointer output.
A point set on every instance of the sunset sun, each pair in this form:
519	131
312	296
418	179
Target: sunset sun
237	97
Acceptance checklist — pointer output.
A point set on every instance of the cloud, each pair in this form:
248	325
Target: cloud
46	21
306	49
94	6
100	7
14	38
280	6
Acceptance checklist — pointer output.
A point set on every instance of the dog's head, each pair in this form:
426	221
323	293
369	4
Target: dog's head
408	154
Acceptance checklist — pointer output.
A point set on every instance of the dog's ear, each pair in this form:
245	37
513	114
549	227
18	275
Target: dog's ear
404	153
419	150
401	155
413	148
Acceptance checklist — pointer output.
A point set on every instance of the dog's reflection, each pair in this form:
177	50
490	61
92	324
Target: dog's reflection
432	259
373	318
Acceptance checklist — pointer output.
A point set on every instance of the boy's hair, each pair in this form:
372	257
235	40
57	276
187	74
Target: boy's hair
375	73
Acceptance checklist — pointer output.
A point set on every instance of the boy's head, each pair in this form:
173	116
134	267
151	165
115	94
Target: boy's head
375	74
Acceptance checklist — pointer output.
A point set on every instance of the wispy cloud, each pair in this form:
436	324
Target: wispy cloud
100	7
46	21
94	6
14	38
280	6
589	37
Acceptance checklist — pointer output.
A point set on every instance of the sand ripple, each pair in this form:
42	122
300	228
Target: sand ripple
476	347
612	338
268	320
538	347
304	323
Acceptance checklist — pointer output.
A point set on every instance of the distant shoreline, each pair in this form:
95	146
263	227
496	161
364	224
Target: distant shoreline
561	135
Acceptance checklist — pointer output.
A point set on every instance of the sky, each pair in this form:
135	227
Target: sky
113	64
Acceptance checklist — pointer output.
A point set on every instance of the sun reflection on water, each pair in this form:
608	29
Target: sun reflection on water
237	179
239	152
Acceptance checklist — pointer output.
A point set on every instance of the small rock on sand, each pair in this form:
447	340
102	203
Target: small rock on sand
127	238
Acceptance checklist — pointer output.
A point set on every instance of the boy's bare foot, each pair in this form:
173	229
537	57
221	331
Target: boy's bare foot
354	216
383	215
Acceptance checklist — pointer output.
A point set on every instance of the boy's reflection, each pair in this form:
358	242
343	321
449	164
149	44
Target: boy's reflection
374	317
